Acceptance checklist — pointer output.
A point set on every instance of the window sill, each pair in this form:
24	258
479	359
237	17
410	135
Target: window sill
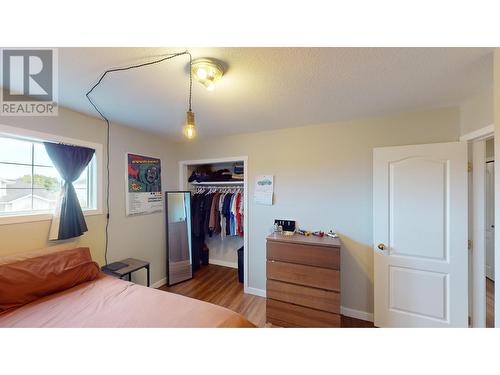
30	218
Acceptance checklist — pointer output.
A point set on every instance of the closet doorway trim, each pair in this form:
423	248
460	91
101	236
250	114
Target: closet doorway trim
183	185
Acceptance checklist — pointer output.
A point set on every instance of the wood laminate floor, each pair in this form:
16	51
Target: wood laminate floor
219	285
490	303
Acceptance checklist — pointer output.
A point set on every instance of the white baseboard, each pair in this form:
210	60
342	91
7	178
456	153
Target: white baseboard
223	263
358	314
159	283
255	291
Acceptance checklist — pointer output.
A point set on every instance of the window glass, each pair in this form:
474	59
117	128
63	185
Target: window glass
15	151
29	182
40	156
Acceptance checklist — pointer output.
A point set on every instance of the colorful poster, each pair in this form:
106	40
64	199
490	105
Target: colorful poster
144	194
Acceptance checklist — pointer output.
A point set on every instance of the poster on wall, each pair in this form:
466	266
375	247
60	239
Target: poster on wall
263	191
143	195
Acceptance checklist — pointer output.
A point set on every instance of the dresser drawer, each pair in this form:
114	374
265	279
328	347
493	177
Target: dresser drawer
319	299
323	278
319	256
288	315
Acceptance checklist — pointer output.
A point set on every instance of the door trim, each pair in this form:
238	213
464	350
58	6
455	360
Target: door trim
477	140
480	134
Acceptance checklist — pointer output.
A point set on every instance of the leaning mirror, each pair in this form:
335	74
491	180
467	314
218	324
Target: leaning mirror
178	222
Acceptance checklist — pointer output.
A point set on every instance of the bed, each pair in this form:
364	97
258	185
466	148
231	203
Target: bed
66	289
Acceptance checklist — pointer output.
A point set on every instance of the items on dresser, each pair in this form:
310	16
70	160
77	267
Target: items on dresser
285	225
303	281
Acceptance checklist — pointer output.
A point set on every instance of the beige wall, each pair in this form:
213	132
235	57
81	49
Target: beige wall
476	112
323	179
141	237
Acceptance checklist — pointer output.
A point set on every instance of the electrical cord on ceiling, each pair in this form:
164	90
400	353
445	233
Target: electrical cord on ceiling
167	57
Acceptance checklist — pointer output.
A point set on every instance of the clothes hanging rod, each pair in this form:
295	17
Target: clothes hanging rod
217	183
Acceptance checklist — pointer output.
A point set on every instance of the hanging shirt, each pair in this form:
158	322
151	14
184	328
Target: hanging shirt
206	213
222	218
241	213
233	215
213	212
197	214
227	212
239	227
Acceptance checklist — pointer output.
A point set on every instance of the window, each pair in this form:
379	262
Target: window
29	182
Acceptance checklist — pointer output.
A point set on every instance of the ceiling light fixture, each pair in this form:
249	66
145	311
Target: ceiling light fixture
207	72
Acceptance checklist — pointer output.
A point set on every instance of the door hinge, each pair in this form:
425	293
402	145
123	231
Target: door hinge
469	167
469	244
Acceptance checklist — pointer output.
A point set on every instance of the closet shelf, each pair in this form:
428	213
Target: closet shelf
217	183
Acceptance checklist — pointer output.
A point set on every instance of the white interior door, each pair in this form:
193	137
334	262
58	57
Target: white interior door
420	235
490	221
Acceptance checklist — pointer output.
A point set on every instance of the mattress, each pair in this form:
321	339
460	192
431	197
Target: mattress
111	302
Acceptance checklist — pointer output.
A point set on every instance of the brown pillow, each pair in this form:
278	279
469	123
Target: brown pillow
27	277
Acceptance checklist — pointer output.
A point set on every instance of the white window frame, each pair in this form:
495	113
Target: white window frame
31	135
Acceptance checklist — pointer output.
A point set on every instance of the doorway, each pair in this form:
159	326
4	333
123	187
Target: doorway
420	235
481	226
184	172
490	231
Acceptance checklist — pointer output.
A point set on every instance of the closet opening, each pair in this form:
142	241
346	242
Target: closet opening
490	232
219	193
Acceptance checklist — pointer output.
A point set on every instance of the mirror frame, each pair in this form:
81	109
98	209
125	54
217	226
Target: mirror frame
167	237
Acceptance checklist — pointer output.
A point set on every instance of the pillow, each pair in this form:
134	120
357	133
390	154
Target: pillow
30	276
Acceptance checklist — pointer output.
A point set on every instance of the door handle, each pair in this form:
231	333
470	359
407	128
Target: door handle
381	246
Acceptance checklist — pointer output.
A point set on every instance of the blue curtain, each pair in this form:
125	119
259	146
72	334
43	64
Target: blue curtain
70	161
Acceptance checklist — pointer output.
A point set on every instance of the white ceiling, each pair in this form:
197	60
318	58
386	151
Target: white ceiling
270	88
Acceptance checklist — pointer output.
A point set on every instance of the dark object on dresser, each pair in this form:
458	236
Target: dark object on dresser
287	225
303	281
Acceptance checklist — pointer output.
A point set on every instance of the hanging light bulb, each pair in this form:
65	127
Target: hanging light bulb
189	129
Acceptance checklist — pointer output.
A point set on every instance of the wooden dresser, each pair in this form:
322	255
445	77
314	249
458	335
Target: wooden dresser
303	281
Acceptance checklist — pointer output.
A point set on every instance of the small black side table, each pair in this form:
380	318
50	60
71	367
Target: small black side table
133	265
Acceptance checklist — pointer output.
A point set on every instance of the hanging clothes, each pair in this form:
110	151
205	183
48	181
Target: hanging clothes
234	226
222	218
197	232
216	211
226	210
239	223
